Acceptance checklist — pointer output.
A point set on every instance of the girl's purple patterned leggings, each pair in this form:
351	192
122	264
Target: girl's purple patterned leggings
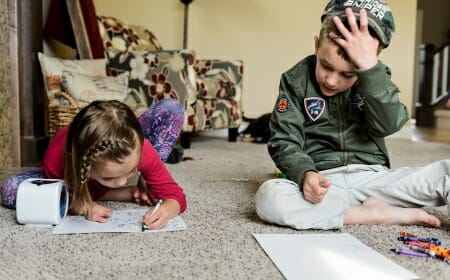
161	123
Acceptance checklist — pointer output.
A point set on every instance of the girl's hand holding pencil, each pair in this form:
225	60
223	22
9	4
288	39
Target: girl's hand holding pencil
158	216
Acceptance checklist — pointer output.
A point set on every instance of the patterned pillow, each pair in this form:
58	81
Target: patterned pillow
52	69
86	88
121	36
155	75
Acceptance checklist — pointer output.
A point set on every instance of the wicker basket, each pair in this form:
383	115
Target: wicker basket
60	115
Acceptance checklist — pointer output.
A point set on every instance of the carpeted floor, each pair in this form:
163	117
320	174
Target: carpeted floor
220	183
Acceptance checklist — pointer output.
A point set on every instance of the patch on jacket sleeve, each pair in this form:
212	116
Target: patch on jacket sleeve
314	107
283	104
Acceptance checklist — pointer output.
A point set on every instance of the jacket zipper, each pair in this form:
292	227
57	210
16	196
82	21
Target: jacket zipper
341	132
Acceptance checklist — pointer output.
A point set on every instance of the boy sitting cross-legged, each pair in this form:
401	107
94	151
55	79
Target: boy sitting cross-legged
327	133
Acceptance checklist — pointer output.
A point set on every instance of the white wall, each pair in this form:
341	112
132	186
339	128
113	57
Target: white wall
270	36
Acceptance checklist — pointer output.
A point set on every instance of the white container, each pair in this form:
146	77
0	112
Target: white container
41	202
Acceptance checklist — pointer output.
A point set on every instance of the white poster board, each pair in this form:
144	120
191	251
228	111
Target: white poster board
328	256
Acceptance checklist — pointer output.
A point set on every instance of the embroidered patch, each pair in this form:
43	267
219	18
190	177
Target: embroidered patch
314	107
357	101
283	104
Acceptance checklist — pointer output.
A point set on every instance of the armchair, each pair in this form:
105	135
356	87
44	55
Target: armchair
209	89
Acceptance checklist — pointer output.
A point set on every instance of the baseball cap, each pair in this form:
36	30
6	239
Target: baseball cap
378	12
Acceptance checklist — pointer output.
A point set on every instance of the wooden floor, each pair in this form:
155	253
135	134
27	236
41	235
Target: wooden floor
441	130
425	134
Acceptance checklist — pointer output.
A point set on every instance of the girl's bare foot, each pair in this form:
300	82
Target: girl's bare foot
376	211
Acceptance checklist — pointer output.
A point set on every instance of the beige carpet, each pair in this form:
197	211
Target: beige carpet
220	183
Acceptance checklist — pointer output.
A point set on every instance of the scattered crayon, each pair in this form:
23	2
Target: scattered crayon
279	174
418	244
421	239
404	233
409	253
422	250
424	247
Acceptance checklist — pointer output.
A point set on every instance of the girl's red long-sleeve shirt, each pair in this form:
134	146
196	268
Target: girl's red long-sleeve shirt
160	183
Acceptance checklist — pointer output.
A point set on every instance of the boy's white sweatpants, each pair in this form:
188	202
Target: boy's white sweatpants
281	202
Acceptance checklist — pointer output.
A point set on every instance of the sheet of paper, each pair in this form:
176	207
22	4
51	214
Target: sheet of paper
328	256
128	220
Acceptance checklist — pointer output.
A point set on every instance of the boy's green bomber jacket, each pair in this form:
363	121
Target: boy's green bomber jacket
311	131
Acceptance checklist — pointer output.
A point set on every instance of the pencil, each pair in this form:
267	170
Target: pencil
158	204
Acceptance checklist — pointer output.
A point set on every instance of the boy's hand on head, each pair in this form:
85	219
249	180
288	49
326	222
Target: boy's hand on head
315	186
360	46
99	213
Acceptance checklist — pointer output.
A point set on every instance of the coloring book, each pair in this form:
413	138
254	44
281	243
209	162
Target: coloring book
128	220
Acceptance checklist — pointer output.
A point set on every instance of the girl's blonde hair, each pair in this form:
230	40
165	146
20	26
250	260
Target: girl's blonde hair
328	27
101	131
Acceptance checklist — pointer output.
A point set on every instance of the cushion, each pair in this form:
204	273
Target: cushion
215	87
87	88
122	36
217	78
52	69
155	75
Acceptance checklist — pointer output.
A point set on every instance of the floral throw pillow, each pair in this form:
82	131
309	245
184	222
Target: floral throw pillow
122	36
155	75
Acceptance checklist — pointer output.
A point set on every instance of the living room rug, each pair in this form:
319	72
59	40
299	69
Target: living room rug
220	181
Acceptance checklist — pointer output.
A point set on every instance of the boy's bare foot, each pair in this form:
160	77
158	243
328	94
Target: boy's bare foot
375	211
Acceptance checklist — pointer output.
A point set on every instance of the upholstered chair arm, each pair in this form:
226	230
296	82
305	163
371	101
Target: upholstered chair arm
154	75
218	78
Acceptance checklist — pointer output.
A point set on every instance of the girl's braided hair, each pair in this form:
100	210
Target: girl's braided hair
101	131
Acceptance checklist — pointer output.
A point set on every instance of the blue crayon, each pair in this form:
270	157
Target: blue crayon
421	239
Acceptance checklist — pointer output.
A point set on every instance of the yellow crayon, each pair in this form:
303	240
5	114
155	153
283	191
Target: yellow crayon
440	251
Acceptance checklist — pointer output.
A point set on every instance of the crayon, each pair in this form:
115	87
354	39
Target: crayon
422	250
421	239
401	251
404	233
